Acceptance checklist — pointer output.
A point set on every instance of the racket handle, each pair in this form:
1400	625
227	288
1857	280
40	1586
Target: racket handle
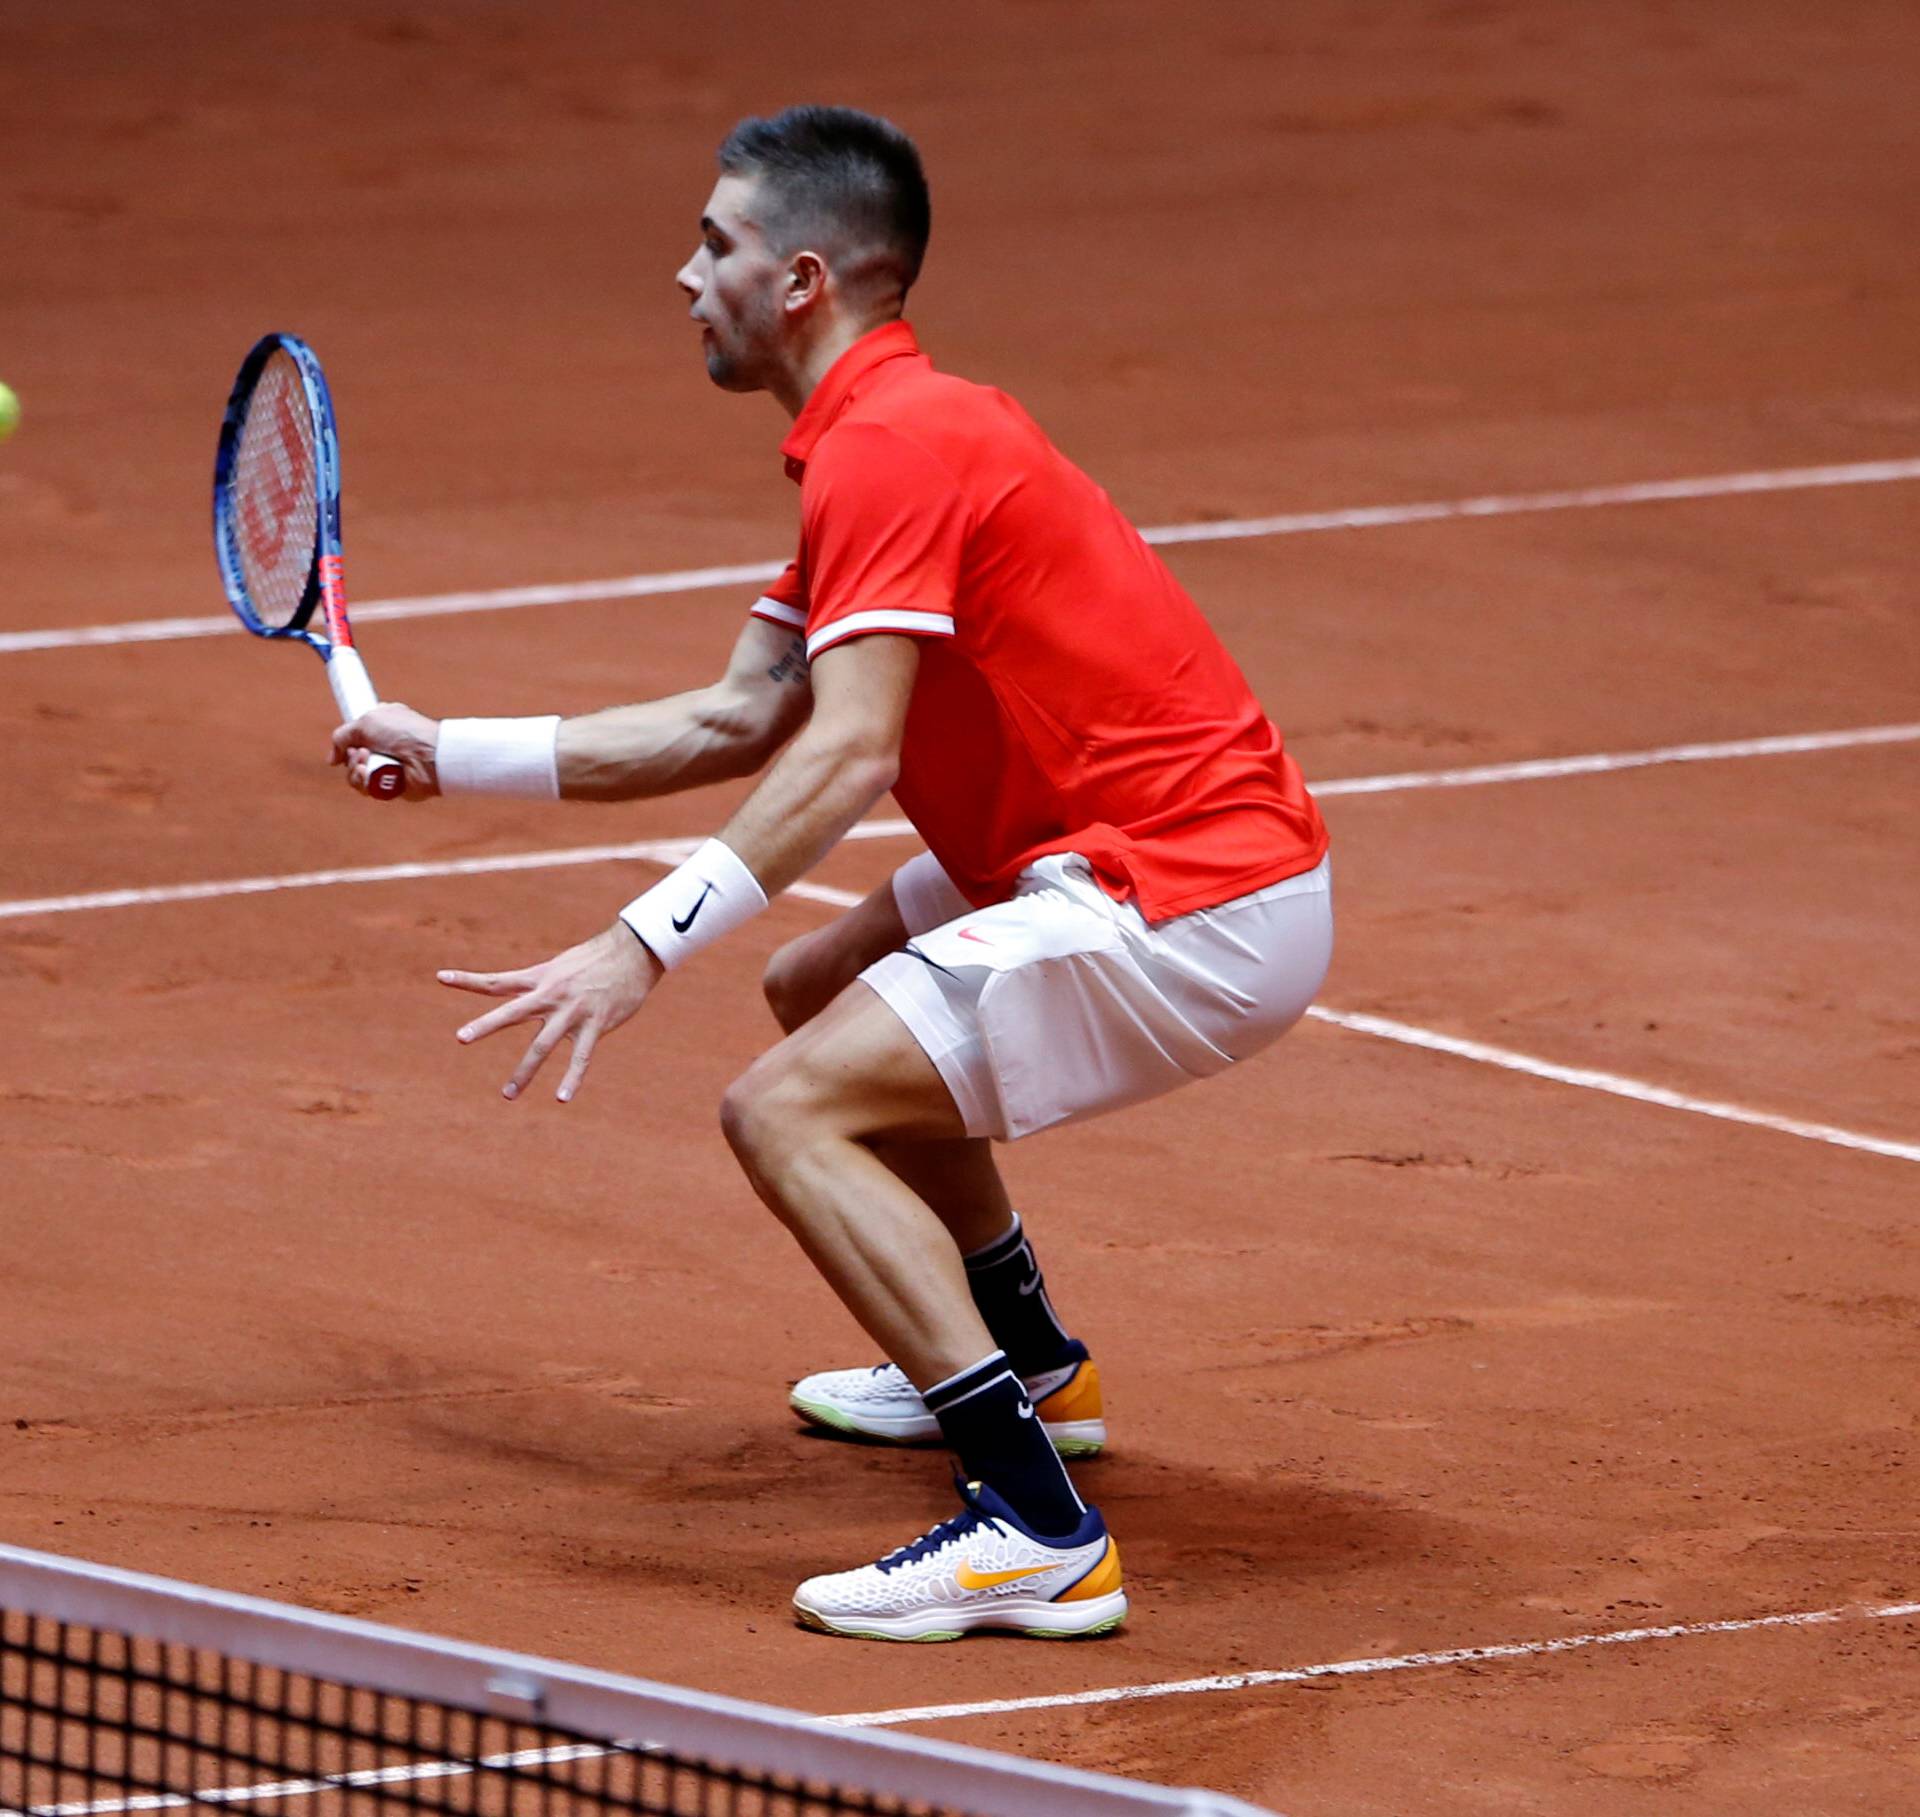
353	694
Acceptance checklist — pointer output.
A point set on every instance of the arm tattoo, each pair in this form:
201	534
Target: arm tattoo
793	665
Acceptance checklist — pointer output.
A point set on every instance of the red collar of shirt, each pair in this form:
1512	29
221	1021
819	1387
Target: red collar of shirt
836	389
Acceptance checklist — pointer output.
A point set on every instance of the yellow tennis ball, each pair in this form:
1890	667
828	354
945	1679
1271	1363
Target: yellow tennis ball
9	412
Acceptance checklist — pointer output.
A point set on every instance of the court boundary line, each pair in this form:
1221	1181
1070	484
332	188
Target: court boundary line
1366	1667
675	850
1376	1665
1372	1666
1239	529
1616	1085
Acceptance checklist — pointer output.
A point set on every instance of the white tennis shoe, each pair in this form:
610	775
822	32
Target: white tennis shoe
982	1569
880	1403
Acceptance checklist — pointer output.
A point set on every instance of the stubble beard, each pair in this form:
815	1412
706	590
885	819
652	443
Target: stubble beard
723	368
733	368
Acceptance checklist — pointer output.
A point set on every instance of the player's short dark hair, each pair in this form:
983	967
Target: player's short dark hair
828	168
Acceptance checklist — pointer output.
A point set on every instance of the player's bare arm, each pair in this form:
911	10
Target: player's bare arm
712	734
730	728
844	759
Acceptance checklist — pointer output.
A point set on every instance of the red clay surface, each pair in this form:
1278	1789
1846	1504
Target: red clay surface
1404	1353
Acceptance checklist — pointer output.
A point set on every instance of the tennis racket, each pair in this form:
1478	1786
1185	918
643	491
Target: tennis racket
276	521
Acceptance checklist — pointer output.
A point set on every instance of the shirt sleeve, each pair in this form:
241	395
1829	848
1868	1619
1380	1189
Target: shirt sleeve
885	525
785	602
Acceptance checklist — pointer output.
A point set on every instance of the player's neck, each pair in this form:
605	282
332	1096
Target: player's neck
813	363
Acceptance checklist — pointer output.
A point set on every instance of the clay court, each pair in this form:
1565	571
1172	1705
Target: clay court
1592	1340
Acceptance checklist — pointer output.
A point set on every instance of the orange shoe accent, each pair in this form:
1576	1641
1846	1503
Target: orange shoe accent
1077	1398
970	1579
1102	1580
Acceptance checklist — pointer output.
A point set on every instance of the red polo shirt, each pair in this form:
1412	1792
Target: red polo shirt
1070	696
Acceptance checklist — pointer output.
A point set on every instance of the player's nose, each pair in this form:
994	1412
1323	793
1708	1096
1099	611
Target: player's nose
685	278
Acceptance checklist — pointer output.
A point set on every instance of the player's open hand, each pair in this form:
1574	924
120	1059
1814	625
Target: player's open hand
390	730
576	996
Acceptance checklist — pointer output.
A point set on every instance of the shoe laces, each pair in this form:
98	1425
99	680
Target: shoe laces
970	1519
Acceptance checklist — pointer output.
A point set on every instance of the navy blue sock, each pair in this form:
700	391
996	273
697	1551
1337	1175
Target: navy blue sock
1011	1295
985	1416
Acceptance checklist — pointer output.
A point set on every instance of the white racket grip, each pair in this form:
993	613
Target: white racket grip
353	694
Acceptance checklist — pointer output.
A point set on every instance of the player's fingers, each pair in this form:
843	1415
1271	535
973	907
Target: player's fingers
521	1009
342	740
489	984
583	1042
536	1056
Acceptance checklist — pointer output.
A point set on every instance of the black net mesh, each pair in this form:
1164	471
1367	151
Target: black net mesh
94	1723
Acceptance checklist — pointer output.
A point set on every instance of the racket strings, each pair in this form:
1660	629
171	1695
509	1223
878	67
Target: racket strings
276	493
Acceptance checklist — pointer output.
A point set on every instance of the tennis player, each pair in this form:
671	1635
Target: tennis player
1125	885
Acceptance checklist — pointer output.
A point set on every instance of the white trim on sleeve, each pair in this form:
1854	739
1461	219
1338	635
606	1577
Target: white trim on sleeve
923	624
778	610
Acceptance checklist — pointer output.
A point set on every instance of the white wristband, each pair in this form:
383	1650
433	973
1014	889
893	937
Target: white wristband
499	757
710	895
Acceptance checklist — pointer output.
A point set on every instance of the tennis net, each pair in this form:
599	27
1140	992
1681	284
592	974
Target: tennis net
123	1693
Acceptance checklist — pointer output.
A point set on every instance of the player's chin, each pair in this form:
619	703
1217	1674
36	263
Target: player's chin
728	373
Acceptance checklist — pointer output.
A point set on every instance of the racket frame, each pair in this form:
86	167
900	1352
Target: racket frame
325	587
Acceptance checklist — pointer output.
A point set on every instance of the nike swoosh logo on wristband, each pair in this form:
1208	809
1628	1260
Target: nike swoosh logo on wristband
679	926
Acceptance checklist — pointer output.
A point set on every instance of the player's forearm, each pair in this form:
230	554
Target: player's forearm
658	747
822	785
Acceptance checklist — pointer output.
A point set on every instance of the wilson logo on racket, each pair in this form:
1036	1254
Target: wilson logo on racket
267	513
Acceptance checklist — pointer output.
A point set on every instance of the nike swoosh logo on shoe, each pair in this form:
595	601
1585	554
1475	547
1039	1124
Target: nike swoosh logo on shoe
970	1579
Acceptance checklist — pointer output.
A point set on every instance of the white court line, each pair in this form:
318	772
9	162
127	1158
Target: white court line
1006	1706
655	851
1239	529
1365	1668
270	1790
672	851
1613	1083
1600	762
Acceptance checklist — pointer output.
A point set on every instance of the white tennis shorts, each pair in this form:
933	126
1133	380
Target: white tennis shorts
1060	1003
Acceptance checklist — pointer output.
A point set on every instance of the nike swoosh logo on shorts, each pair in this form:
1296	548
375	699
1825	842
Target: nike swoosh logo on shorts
970	1579
679	926
967	933
1029	1287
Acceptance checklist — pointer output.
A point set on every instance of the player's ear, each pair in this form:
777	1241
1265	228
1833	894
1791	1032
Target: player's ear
806	281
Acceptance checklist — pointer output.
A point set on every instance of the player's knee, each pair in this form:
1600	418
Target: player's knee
806	974
790	985
763	1113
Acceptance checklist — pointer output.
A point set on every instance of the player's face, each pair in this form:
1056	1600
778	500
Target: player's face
733	281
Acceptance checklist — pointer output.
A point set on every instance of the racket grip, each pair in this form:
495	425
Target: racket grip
353	694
